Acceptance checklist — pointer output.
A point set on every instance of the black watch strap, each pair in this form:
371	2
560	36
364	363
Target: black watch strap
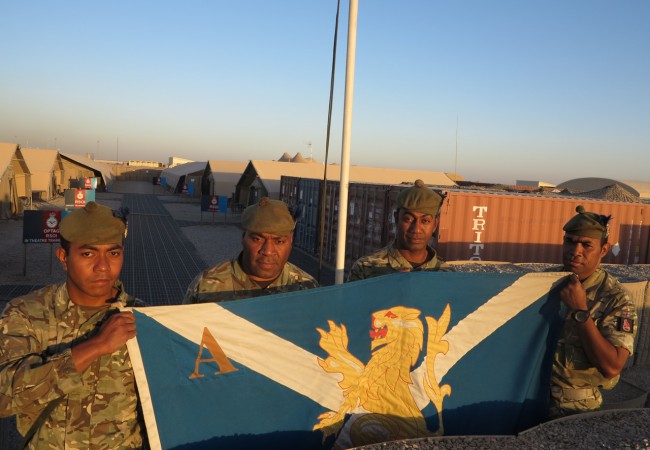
580	315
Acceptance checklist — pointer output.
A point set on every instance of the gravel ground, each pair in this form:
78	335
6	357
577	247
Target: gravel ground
624	274
620	429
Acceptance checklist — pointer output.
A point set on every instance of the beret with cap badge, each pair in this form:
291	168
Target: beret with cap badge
419	198
94	224
268	216
587	224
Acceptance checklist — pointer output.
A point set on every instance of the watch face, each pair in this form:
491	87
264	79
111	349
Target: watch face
580	316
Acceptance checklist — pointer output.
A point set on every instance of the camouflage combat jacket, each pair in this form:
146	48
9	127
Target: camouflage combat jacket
575	381
228	281
99	406
390	260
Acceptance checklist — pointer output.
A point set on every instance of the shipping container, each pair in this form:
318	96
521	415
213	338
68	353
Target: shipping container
302	195
367	218
528	228
307	211
474	225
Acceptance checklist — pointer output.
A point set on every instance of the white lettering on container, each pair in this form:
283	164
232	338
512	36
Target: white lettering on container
478	228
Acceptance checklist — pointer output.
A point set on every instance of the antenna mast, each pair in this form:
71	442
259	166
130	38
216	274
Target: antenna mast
456	155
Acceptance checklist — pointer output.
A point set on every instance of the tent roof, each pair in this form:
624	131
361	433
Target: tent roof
612	193
39	159
173	175
642	187
215	165
578	185
7	151
103	168
186	169
298	158
270	173
225	175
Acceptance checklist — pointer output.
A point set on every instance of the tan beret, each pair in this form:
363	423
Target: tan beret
93	224
268	216
587	224
419	198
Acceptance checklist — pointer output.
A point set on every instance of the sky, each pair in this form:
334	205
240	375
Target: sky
496	91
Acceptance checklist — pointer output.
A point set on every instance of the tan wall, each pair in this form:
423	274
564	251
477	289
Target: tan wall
130	173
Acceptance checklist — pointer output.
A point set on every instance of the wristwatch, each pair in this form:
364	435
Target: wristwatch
580	315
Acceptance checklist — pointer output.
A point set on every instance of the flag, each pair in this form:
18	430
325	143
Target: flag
394	357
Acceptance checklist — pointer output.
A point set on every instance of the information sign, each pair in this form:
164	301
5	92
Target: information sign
42	226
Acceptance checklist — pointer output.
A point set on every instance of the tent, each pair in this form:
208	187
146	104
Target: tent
78	167
15	181
221	177
580	185
46	169
188	175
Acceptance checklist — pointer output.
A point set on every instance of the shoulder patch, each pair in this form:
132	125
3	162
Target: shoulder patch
625	324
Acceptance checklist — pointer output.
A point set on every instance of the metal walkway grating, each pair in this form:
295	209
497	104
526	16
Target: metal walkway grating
159	261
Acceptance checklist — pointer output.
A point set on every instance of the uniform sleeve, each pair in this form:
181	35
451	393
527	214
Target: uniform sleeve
356	272
309	282
30	379
444	267
619	325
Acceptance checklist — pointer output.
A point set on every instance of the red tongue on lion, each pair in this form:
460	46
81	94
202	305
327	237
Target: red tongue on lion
378	334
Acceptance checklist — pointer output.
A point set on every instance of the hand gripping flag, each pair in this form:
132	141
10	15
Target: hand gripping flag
394	357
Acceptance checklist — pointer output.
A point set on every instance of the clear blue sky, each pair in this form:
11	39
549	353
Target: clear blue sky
549	90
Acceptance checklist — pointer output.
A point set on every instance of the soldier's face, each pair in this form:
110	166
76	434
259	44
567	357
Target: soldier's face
582	255
264	255
414	229
92	271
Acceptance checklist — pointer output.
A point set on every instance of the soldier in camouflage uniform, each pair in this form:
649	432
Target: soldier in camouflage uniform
598	334
64	368
262	268
417	218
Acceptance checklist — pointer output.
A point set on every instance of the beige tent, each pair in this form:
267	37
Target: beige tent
262	178
47	172
178	177
221	177
78	167
15	180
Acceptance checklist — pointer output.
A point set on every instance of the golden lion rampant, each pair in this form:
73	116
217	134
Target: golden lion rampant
379	390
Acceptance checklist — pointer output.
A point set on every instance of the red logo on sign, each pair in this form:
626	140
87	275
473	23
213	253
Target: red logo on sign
79	198
50	226
214	203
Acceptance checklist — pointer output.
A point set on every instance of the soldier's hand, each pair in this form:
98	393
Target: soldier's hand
115	331
113	334
574	294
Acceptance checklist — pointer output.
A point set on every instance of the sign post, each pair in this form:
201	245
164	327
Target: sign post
223	206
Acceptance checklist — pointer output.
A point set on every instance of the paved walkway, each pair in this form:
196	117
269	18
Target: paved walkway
159	262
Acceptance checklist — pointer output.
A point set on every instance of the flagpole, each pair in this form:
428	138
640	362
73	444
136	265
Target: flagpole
345	150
